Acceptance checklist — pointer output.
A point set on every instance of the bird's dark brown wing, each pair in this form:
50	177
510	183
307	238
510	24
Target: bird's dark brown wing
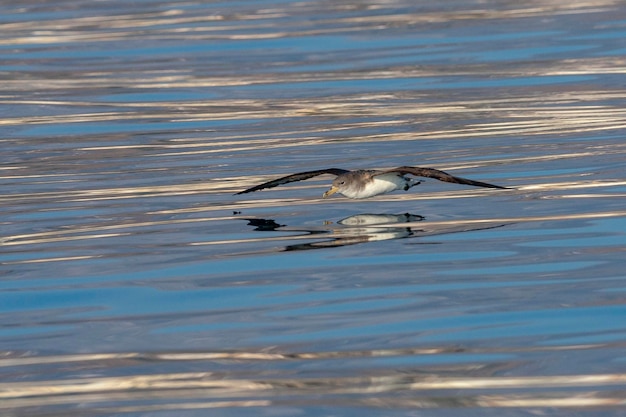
438	175
300	176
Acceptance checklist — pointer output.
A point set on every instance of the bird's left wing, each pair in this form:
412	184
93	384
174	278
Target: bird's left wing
300	176
438	175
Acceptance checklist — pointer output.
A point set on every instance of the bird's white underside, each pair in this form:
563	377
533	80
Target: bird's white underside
380	184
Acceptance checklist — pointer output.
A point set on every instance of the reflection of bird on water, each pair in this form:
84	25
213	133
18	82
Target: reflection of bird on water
351	231
368	183
264	225
360	228
374	219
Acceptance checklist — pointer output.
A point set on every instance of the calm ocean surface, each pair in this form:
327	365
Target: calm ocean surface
134	283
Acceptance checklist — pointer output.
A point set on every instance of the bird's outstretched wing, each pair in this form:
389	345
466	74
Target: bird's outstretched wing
438	175
300	176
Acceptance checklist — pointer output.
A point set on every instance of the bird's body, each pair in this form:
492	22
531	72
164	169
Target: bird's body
367	183
361	184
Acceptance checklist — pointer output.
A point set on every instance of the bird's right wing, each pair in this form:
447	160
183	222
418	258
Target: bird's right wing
439	175
300	176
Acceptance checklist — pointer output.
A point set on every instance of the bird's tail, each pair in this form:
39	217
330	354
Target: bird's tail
411	182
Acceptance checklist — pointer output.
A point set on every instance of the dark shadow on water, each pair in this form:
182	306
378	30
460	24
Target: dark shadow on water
360	228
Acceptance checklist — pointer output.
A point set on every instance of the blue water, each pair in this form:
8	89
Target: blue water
133	282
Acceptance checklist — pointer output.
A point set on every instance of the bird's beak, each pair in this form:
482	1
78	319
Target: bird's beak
330	192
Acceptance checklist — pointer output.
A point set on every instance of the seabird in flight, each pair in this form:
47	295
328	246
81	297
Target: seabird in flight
365	183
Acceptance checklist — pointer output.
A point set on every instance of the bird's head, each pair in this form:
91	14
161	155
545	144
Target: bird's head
338	186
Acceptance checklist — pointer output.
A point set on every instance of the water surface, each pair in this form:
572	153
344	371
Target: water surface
135	283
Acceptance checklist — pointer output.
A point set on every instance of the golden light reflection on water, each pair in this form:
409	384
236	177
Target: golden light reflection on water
155	24
371	391
199	388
